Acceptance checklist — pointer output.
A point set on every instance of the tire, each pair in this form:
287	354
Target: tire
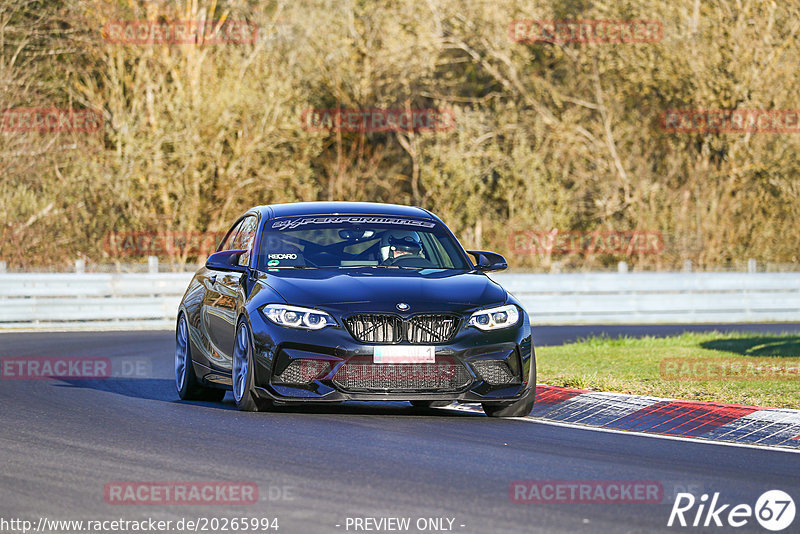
429	404
520	408
186	382
242	371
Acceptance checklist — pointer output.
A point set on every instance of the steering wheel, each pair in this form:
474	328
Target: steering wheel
417	262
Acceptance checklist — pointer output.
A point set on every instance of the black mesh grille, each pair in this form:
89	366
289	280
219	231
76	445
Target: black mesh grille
302	372
419	329
399	377
494	372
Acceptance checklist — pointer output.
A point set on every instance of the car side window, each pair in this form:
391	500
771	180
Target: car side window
228	243
245	237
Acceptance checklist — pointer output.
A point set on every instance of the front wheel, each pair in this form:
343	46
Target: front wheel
243	371
520	408
186	382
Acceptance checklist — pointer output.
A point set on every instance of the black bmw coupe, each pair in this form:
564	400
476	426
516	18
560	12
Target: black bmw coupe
336	301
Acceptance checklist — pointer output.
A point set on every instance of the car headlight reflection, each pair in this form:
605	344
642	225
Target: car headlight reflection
495	318
297	317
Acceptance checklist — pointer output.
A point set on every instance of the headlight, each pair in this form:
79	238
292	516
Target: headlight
495	318
296	317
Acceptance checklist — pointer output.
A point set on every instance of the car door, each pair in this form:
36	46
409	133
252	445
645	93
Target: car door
218	306
229	286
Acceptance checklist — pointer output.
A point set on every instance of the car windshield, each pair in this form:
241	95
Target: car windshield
341	242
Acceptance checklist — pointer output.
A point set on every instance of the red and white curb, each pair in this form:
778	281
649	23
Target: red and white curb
732	423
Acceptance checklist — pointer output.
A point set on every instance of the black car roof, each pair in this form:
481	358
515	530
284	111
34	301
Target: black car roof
342	208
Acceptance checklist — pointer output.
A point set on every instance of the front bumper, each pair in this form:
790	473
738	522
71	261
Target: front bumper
335	354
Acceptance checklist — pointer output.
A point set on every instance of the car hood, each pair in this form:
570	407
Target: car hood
380	290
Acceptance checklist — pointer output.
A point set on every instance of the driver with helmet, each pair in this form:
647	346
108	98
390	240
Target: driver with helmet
400	243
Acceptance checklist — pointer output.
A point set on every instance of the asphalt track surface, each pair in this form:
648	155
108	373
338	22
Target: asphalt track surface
316	466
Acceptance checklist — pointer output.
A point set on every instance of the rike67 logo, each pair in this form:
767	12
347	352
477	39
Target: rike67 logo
774	510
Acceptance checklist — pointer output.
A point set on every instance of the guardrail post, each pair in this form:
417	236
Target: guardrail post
152	264
80	266
622	267
687	266
751	265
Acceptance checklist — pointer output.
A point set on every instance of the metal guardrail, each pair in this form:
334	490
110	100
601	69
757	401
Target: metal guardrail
48	301
656	297
52	301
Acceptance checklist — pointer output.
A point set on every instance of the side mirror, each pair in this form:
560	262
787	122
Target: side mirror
226	260
488	261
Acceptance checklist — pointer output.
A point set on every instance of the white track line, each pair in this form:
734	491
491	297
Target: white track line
536	420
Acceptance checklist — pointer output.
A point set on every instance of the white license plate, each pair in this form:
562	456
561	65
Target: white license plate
404	354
